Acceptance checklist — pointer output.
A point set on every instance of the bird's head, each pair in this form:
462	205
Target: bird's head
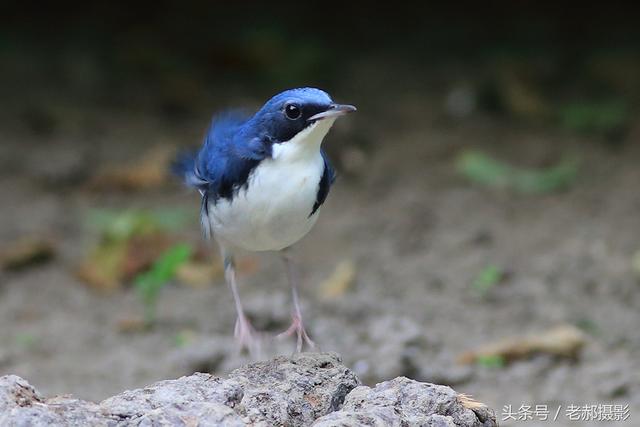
298	117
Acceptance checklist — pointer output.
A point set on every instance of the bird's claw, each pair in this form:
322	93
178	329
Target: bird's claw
297	328
246	336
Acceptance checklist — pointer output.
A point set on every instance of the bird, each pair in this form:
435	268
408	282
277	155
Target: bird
263	179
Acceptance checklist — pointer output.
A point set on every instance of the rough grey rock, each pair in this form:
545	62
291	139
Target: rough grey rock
194	389
22	405
405	402
302	390
294	391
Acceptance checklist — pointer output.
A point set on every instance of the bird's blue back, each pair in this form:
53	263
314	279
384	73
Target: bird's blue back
234	146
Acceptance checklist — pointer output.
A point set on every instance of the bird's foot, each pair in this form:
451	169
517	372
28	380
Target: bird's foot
297	328
246	336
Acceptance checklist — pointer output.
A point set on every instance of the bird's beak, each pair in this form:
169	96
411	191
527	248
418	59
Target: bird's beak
335	110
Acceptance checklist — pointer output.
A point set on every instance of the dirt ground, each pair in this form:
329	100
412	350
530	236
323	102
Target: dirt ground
417	232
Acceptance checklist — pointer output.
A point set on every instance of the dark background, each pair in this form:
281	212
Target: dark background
545	96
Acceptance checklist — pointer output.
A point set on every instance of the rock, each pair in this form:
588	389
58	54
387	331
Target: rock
294	391
301	390
22	405
402	402
174	394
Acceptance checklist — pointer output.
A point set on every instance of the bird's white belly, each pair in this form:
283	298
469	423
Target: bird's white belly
273	211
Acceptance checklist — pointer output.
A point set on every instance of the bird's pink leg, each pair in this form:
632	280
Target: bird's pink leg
245	335
297	326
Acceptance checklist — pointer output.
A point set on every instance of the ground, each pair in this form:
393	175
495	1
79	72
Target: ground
417	232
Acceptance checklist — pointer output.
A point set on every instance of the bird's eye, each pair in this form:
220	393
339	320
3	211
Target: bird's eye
292	111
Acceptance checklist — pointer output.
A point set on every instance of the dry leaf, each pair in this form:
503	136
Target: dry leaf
469	402
203	270
248	265
520	92
142	251
563	341
339	282
112	263
150	171
131	324
26	251
102	269
199	274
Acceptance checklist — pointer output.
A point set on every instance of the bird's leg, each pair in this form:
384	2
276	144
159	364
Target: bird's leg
297	326
244	333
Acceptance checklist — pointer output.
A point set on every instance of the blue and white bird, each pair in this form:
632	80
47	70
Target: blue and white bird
262	181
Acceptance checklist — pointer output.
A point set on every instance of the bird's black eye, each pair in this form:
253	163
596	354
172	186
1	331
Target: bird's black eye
292	111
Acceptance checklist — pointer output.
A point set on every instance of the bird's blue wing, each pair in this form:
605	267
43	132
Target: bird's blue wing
224	163
328	177
228	156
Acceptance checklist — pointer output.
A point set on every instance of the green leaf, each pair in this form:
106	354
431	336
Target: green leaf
487	279
122	225
26	340
594	116
491	361
487	171
149	283
588	325
183	338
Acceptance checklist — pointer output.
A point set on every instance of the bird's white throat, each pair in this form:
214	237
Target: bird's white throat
305	145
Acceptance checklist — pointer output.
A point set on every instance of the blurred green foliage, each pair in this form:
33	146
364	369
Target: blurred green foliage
122	225
482	169
492	361
150	283
587	325
488	277
604	117
183	338
26	340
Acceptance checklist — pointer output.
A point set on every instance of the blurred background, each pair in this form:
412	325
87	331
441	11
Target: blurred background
484	231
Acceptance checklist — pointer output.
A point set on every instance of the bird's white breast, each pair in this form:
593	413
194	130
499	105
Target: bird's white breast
273	210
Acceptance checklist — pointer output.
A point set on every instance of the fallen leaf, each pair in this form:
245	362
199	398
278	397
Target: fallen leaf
102	270
199	274
142	251
25	252
150	171
114	262
131	324
339	282
248	265
520	93
184	337
562	341
483	169
469	402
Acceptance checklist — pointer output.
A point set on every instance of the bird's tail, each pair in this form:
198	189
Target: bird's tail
185	167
